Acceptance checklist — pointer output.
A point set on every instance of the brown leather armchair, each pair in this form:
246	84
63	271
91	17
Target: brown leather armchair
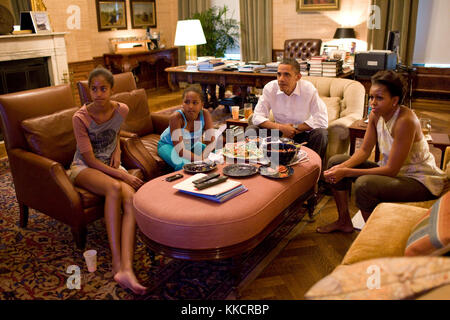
141	131
302	48
37	126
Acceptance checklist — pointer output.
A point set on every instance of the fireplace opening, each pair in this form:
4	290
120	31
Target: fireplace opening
20	75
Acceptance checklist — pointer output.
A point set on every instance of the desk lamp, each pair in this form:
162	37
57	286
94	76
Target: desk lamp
189	33
344	33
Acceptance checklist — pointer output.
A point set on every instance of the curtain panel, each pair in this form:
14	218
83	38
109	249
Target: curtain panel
398	15
256	30
18	6
186	8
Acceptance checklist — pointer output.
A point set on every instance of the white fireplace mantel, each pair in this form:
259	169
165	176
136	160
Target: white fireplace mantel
28	46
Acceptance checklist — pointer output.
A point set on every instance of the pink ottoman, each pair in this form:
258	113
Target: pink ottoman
188	227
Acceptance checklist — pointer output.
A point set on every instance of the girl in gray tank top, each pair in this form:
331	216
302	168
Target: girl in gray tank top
96	167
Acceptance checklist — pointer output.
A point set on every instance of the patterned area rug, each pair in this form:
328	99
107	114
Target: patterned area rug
34	262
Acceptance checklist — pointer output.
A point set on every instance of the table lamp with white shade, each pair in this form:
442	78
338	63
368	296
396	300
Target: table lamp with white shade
189	33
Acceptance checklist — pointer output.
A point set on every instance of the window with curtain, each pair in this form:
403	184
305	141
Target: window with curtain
233	6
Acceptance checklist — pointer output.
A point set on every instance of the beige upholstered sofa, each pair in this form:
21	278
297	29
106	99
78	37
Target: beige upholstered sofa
345	104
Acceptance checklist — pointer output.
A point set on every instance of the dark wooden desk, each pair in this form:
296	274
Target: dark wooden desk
148	67
357	130
209	79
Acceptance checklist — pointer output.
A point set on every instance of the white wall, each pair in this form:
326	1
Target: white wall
432	44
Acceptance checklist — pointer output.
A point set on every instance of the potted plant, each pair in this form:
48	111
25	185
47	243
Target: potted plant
221	33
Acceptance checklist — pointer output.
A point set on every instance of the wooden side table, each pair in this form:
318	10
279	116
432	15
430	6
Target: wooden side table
358	130
440	141
241	122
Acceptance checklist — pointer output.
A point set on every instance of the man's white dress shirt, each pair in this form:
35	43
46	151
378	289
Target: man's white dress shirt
302	106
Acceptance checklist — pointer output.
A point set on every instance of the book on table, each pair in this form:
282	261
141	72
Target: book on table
218	193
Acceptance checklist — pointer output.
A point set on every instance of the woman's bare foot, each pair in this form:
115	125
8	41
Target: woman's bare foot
336	226
127	280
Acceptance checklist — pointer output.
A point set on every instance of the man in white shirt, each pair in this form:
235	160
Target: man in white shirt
298	111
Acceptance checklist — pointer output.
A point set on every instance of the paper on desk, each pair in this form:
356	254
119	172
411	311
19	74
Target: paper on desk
358	221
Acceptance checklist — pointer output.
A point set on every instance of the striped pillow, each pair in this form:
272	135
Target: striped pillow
431	235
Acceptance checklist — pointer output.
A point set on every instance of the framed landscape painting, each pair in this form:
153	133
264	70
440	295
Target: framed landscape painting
317	5
143	13
111	15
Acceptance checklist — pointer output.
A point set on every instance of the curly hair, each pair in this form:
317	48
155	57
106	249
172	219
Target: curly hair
394	83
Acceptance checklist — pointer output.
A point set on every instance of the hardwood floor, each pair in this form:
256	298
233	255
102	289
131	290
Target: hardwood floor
306	258
163	98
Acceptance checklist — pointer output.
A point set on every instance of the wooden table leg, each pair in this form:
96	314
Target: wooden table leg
352	143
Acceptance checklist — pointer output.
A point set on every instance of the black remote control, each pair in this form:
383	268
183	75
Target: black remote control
174	177
206	178
211	183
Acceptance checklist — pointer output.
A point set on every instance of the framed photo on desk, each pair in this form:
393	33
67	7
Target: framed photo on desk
143	13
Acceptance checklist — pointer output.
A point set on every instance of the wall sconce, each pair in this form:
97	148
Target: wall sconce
189	33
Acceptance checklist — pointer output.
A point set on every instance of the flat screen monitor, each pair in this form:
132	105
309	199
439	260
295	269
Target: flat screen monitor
393	42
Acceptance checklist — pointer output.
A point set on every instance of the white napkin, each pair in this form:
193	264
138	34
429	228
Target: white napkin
216	157
358	221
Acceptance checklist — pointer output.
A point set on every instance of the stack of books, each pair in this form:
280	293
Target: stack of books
271	67
211	65
251	67
315	66
304	68
218	193
331	67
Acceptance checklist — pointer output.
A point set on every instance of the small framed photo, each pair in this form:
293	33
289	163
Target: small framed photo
327	49
111	15
143	13
338	54
317	5
41	23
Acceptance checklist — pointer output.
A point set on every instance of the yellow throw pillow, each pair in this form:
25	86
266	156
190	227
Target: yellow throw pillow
383	279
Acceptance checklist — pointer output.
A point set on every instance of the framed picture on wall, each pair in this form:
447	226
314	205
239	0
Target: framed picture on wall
143	13
111	15
317	5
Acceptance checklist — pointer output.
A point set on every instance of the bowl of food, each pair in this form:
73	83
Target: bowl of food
281	153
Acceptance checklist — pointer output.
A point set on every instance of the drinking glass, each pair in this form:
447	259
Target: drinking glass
235	112
425	123
248	110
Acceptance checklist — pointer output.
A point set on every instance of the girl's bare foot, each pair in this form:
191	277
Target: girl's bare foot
127	280
336	226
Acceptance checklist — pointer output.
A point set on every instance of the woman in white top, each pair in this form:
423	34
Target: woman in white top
407	171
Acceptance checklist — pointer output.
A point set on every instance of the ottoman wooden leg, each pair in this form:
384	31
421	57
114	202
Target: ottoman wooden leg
311	206
236	268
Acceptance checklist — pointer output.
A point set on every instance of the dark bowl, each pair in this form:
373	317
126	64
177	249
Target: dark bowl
283	153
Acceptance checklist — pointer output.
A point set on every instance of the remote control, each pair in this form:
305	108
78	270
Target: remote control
211	183
206	178
174	177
